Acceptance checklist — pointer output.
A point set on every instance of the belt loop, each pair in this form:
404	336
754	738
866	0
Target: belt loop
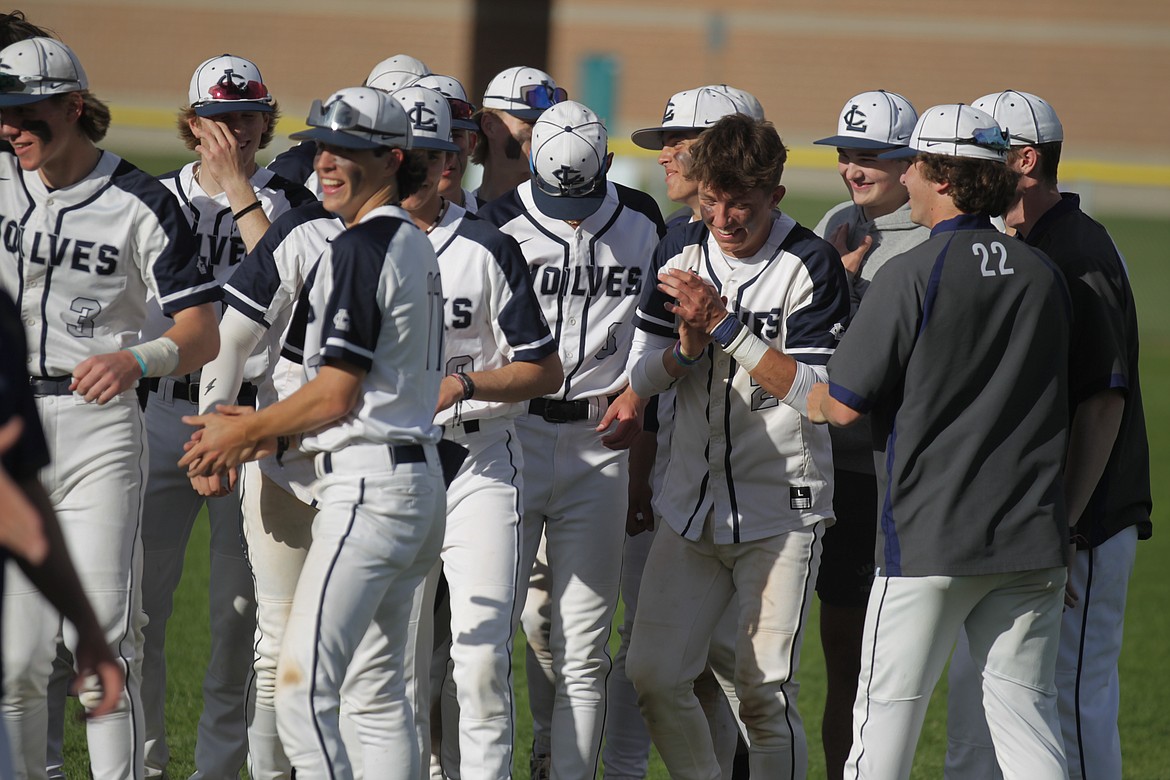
327	463
166	388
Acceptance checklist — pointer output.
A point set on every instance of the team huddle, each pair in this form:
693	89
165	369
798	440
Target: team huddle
421	417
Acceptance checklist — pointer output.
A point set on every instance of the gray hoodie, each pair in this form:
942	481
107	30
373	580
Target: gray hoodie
892	235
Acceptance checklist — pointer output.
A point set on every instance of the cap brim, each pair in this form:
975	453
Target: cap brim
574	208
652	138
21	99
855	142
433	143
464	124
335	138
230	106
527	114
899	153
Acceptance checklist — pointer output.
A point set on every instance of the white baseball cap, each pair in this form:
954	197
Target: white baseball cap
36	68
462	109
358	118
523	92
1029	120
874	120
569	155
397	72
691	109
228	83
430	117
748	103
955	130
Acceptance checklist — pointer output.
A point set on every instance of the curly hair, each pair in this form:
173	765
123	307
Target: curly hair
738	154
183	122
976	186
412	173
95	115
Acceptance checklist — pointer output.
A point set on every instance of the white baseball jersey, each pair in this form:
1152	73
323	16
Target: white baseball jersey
82	260
221	248
757	463
492	315
588	279
265	288
376	303
296	164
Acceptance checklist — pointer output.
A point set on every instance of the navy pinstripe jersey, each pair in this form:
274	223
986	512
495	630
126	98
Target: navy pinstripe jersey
759	465
960	353
221	248
492	315
376	303
82	260
588	280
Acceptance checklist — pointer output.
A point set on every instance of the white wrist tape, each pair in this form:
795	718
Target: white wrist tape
747	349
806	377
649	376
161	356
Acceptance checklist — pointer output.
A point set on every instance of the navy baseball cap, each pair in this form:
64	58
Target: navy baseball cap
568	161
874	120
227	83
37	68
358	118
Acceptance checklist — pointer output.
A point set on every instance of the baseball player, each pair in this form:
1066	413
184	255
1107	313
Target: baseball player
512	102
739	449
627	742
1107	482
29	531
463	135
374	361
868	230
959	352
499	352
296	164
228	200
588	245
96	236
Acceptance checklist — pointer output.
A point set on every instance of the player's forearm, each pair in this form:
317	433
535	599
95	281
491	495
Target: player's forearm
519	381
253	222
223	376
1092	434
196	334
328	397
822	407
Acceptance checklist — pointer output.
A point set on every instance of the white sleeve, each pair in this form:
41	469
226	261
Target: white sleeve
221	378
806	377
644	367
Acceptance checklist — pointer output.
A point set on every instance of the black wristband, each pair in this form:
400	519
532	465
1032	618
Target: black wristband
468	385
246	210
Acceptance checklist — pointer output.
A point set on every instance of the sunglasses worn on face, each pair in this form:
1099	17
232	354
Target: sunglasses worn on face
226	89
536	96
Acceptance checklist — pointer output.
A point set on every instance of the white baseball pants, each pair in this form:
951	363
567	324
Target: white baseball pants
575	493
911	624
480	558
96	483
171	509
686	590
378	533
1088	690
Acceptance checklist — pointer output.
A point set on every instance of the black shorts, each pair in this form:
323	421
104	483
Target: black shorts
847	557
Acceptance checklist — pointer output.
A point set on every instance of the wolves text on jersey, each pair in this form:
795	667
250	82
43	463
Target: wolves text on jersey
56	251
613	281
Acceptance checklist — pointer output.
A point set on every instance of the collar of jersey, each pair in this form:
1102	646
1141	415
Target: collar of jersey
1069	201
962	222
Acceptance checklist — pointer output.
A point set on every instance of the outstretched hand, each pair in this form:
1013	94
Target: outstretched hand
222	442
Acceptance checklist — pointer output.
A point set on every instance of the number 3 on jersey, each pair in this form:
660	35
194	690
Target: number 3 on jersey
984	254
86	309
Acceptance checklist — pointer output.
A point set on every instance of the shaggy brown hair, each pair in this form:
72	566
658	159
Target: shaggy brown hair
14	27
190	141
976	186
412	174
1049	155
95	115
738	154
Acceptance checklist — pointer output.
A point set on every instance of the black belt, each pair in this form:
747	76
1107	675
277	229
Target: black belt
399	453
468	426
50	385
189	391
559	411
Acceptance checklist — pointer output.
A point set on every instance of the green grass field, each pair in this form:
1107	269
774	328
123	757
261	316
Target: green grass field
1145	679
